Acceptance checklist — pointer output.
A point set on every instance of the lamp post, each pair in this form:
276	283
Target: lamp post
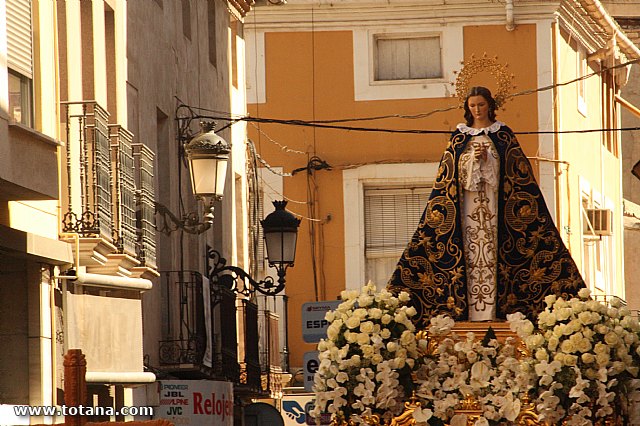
280	229
206	155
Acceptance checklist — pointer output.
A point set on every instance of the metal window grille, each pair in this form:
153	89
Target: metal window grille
145	211
124	198
88	171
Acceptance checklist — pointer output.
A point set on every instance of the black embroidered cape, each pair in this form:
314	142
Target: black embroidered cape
532	260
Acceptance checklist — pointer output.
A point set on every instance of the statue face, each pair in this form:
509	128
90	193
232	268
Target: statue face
479	108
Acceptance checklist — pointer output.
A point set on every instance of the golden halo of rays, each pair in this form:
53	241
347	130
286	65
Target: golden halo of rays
473	66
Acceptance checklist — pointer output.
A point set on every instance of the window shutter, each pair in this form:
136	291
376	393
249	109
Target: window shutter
391	218
19	40
408	58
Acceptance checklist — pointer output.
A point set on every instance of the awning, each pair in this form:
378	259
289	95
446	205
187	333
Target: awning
109	281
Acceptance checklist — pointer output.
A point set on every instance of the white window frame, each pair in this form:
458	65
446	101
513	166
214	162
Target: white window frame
364	66
353	184
606	244
403	36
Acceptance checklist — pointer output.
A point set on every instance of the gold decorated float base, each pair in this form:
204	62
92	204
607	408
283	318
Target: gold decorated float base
470	406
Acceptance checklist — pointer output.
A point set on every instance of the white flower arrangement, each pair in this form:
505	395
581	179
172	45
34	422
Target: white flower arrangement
585	358
486	373
369	354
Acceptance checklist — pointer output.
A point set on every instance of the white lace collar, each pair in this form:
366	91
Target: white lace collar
474	132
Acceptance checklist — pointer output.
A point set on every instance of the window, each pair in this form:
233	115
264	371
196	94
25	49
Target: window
391	215
383	204
598	269
211	20
20	99
582	84
20	61
407	58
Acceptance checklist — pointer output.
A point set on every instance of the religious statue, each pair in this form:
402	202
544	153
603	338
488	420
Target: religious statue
486	245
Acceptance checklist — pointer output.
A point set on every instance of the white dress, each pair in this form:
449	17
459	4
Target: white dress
479	205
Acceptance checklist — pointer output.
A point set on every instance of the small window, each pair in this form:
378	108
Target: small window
408	58
20	99
582	84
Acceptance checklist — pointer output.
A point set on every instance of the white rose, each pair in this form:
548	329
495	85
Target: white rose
407	338
353	322
567	347
375	313
400	317
611	338
366	327
411	311
542	355
360	313
392	346
376	359
363	339
584	293
550	300
365	300
570	360
386	319
385	333
584	345
404	296
588	358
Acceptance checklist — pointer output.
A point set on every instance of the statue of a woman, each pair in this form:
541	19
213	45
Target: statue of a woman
486	245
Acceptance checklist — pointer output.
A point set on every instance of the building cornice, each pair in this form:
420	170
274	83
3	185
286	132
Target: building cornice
305	15
586	18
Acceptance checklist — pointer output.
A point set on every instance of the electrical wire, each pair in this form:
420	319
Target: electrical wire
327	124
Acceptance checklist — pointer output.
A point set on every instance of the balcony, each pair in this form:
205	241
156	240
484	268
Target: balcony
200	326
108	202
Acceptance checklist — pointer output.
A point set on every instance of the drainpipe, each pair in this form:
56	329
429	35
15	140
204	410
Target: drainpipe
509	12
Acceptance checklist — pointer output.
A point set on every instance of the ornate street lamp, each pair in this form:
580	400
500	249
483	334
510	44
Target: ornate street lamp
280	236
280	229
208	155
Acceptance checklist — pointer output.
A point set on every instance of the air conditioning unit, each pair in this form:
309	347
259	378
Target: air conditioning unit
598	222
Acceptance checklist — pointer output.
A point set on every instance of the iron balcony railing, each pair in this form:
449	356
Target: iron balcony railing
88	170
145	207
110	182
200	331
124	199
250	371
183	318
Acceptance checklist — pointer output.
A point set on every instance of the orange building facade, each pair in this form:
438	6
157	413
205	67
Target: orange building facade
361	192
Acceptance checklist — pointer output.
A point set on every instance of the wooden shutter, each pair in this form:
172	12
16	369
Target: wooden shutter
408	58
19	37
391	217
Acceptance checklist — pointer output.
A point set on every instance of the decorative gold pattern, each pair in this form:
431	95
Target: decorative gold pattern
473	66
532	261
